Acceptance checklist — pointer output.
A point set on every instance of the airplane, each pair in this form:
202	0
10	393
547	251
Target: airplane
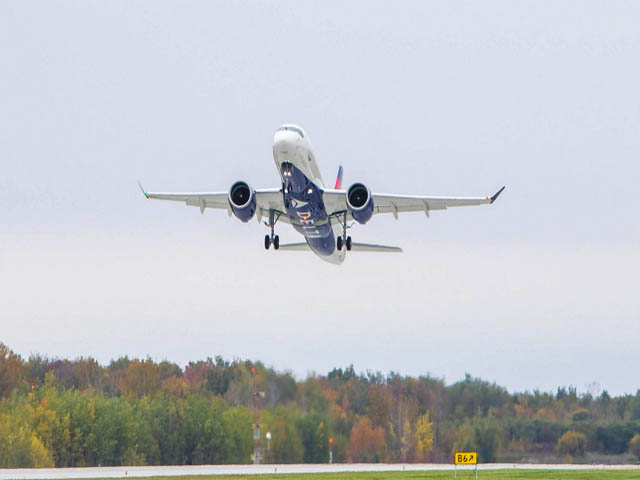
322	215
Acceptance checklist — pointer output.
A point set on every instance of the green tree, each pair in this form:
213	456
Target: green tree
315	438
115	439
165	425
286	444
238	435
203	432
464	438
487	438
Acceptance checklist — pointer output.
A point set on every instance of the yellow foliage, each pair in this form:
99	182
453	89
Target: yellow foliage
634	445
40	455
176	386
407	441
572	444
141	378
20	447
423	437
545	414
523	410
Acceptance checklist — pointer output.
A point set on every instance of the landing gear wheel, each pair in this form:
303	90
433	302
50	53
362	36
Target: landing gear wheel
348	242
267	242
276	242
339	243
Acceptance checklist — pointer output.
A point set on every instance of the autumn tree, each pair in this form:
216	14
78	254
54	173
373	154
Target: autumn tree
141	377
11	370
423	438
20	447
366	443
572	443
634	445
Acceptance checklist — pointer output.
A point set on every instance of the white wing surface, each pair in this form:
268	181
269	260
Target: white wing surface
336	201
266	199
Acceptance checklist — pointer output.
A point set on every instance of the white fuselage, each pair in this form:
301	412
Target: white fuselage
303	188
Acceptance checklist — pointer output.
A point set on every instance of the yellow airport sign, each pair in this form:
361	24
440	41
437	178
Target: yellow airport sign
466	458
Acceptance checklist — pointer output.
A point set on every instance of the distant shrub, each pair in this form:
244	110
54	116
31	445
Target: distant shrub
634	445
581	415
572	443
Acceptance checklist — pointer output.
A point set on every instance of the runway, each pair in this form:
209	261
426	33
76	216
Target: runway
183	470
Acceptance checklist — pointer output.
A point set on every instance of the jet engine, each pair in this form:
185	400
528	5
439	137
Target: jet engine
360	203
242	200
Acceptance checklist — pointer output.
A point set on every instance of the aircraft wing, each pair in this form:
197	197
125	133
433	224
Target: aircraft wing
266	199
336	201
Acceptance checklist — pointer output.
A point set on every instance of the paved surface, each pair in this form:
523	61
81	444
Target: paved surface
181	470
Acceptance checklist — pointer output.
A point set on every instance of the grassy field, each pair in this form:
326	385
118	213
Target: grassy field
506	474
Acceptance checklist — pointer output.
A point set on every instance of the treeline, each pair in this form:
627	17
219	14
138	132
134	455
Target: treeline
62	413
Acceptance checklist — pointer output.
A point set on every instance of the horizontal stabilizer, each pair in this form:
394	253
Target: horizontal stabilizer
369	247
355	247
294	246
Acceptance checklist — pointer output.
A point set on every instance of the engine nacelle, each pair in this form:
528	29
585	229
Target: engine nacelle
360	203
242	200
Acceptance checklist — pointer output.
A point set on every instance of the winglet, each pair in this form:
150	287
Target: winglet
143	190
496	195
339	179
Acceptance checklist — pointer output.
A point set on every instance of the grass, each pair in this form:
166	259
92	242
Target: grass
506	474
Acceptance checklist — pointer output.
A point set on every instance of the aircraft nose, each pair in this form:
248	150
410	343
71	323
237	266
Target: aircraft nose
284	140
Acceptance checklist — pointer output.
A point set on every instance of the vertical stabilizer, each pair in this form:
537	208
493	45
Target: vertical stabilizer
339	179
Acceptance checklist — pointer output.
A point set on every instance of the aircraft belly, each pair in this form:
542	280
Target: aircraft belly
305	208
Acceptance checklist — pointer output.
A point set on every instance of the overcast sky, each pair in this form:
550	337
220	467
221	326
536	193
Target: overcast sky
441	98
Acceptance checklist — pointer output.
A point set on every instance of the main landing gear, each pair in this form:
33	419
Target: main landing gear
268	241
344	240
272	239
340	242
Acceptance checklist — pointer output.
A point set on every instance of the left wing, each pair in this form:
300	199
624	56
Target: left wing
266	199
335	201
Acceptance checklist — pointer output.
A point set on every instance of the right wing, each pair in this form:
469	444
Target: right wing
266	199
336	202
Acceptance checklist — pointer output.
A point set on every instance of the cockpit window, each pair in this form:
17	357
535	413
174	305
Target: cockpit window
292	129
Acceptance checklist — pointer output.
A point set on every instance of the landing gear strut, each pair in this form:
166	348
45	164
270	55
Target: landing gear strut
344	240
272	239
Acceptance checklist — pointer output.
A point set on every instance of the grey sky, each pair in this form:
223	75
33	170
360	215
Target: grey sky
538	290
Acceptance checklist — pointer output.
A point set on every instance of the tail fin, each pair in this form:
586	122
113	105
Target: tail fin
339	179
